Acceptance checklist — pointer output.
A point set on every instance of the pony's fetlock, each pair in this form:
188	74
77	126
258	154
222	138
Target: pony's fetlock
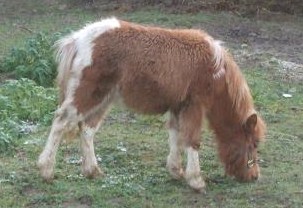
46	170
176	172
195	181
92	172
174	166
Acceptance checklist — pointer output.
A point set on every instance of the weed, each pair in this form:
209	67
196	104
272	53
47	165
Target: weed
34	61
23	105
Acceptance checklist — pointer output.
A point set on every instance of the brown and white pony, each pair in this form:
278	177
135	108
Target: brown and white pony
153	71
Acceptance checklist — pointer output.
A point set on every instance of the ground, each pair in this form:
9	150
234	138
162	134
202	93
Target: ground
132	148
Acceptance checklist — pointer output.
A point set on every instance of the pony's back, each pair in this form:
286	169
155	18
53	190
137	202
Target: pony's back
162	67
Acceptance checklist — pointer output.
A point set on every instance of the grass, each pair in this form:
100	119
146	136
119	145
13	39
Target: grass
132	148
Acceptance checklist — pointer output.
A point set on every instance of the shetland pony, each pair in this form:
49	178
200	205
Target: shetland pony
154	70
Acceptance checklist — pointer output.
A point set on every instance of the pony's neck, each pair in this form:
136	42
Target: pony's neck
224	119
232	102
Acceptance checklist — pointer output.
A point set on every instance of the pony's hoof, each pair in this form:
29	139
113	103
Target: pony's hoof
47	175
93	172
46	171
176	173
196	183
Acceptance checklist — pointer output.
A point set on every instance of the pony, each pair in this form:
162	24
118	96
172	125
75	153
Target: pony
152	70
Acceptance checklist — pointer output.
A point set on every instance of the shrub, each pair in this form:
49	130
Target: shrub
22	103
33	61
7	133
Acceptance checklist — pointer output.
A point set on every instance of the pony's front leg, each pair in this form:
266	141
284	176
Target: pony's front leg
174	162
192	173
190	121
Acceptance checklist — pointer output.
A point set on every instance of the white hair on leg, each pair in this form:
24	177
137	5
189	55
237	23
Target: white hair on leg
90	126
90	167
174	163
74	53
66	120
46	159
192	173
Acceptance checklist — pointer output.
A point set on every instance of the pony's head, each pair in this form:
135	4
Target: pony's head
239	154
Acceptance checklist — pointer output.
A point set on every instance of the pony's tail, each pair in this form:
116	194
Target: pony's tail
66	51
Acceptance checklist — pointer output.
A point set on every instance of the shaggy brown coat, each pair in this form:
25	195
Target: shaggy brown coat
185	72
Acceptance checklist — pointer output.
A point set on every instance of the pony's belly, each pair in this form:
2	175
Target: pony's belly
145	101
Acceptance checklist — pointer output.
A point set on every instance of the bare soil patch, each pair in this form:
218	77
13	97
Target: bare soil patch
273	44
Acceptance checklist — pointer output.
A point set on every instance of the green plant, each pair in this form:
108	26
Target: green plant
23	104
34	61
25	100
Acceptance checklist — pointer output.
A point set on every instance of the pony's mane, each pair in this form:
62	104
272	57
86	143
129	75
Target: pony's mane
238	89
239	101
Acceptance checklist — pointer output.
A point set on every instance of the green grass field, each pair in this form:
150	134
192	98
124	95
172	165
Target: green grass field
132	148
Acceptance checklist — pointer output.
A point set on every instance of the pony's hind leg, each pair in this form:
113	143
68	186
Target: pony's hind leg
90	167
174	162
88	129
65	120
190	121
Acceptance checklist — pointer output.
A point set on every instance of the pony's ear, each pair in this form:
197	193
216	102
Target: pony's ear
251	123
